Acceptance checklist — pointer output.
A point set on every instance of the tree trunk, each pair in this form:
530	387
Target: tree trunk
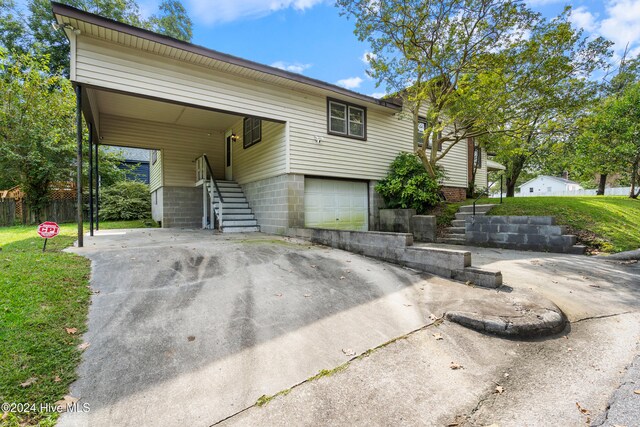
512	174
511	187
634	178
601	184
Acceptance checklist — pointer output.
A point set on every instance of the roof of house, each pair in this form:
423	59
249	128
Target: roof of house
553	178
91	23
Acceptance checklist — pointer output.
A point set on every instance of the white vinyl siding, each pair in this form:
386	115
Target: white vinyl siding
336	204
155	172
180	146
116	67
481	173
265	159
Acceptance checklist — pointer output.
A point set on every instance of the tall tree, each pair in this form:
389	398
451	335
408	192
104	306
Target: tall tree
441	57
36	33
36	125
172	21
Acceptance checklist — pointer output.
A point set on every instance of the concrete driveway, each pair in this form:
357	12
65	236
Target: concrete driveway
188	327
191	328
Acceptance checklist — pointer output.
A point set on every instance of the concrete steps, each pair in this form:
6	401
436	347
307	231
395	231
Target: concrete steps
455	235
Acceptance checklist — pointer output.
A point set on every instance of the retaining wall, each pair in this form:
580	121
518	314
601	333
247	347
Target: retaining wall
535	233
398	248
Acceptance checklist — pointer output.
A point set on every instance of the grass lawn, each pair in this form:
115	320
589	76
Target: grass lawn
608	224
41	294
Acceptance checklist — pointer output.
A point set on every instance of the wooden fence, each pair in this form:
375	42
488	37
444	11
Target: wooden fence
56	210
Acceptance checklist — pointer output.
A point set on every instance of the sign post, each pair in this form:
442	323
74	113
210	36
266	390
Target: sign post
47	230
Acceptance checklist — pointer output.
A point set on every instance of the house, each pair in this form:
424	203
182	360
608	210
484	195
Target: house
135	162
544	184
285	150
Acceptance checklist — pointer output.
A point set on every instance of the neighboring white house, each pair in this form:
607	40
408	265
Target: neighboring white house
287	151
544	184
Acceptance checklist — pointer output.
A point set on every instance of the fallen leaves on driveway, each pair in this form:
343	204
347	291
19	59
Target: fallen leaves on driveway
83	346
499	389
636	391
582	410
455	366
437	336
191	338
348	352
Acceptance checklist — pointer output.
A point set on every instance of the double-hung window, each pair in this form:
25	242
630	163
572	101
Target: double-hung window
422	126
346	119
252	133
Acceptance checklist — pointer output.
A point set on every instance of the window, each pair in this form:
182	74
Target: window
422	125
477	156
252	131
346	120
530	189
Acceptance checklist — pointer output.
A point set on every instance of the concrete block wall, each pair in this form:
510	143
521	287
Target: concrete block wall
277	202
536	233
398	248
181	207
423	227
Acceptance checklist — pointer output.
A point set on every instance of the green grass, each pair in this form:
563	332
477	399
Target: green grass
41	294
608	224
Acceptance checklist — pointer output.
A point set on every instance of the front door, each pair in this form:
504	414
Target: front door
228	160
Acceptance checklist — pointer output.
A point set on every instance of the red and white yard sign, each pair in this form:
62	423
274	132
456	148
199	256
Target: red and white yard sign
48	229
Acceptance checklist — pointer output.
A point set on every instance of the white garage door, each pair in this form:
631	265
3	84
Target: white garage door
336	204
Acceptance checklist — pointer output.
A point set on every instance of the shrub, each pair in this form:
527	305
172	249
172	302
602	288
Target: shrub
408	185
125	200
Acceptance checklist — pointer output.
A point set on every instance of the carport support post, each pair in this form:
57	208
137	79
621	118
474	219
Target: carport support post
90	126
79	162
97	187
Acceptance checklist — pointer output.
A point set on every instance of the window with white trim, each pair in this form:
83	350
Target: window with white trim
346	119
422	125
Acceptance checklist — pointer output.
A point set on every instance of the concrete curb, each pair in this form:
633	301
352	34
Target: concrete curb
623	256
528	320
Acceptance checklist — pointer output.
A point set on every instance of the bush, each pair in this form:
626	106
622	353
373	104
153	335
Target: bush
408	185
125	200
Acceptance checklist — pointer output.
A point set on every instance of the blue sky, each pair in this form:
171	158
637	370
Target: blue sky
310	36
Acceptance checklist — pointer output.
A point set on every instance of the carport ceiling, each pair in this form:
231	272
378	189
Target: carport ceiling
116	104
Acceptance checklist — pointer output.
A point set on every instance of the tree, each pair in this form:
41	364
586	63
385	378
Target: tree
547	91
36	146
172	21
36	33
444	58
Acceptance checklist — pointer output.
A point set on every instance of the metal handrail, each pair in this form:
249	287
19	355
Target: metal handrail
482	193
215	183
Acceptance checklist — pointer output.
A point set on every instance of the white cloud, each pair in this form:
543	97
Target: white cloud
621	24
295	67
367	57
582	18
350	83
378	95
216	11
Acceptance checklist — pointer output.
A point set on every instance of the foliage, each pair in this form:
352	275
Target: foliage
408	185
34	31
478	68
172	21
607	223
36	146
125	200
36	305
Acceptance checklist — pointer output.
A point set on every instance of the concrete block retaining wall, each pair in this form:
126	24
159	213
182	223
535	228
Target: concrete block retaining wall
423	227
536	233
398	248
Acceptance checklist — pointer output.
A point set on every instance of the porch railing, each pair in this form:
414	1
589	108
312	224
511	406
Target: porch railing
204	173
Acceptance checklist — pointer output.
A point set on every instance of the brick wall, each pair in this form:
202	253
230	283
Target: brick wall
278	202
454	194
